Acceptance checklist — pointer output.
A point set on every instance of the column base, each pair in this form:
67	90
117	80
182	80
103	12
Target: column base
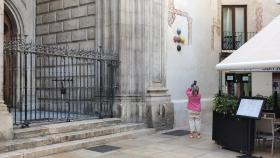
131	111
160	109
6	126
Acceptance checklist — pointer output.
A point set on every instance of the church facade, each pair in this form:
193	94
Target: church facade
117	58
125	28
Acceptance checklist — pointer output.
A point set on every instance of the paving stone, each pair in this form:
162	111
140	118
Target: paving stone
165	154
138	148
142	151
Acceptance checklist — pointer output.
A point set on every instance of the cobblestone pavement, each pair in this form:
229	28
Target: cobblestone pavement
162	146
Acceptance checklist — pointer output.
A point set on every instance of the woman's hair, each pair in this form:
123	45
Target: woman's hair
195	90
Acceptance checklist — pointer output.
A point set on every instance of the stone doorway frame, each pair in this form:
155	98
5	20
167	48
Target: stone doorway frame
7	6
13	25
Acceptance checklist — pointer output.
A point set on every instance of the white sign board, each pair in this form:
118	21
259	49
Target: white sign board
250	107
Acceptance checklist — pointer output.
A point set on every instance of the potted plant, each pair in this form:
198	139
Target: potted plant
225	104
272	105
228	130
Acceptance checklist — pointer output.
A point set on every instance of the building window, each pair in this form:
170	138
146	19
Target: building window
234	26
238	84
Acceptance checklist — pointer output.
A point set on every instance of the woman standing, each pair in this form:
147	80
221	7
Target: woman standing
194	109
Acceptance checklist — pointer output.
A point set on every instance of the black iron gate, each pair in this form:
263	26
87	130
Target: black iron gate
45	83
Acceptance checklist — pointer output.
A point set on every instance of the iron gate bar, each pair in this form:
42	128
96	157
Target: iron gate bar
87	80
25	90
20	86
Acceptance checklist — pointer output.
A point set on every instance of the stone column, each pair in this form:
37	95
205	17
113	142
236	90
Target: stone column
107	19
6	126
160	110
131	28
143	91
136	30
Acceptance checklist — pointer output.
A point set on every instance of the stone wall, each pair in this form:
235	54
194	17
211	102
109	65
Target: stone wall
195	61
66	22
128	28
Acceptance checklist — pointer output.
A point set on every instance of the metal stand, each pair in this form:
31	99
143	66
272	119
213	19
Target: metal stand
249	155
63	93
69	111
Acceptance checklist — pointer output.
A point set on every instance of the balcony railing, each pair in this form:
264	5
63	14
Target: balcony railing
234	40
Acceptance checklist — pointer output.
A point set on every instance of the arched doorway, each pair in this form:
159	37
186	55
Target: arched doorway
9	60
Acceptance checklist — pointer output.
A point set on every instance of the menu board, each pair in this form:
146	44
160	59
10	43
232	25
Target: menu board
250	107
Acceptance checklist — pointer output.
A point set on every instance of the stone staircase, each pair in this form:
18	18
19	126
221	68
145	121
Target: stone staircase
50	139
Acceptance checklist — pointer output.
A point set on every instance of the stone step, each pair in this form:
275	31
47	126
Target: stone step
64	127
74	145
28	143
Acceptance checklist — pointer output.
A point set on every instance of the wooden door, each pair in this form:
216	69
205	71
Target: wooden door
8	63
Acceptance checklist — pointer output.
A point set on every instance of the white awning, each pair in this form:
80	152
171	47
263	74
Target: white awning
261	51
